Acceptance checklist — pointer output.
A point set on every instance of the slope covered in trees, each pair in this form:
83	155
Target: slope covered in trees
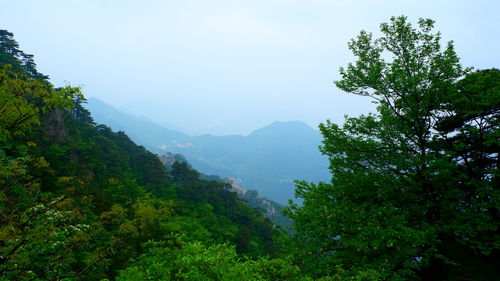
80	201
271	209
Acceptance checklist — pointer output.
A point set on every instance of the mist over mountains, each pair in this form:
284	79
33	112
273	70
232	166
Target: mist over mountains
267	160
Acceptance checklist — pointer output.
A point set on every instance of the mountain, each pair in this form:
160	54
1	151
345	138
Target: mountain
144	131
271	209
268	160
81	202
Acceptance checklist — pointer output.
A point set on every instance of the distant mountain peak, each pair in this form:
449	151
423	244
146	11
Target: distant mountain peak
283	128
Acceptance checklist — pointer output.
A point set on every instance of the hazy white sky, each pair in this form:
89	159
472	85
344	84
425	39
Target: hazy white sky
226	66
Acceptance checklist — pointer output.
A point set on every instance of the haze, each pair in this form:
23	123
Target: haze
227	67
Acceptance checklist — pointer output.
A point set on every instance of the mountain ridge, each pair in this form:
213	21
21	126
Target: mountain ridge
267	160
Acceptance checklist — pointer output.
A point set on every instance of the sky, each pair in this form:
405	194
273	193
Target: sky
228	67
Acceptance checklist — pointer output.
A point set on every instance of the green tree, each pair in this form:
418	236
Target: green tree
182	173
24	99
178	260
43	235
400	206
11	54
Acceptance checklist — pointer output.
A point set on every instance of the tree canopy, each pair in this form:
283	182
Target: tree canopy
413	194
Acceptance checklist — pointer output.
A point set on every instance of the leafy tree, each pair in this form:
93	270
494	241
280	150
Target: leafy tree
407	200
182	173
23	99
43	235
10	54
177	260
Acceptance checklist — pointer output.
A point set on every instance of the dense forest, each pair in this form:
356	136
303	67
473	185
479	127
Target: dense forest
413	196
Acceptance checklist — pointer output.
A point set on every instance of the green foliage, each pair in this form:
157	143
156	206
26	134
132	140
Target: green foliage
413	194
222	214
194	261
10	54
183	170
43	235
23	99
78	200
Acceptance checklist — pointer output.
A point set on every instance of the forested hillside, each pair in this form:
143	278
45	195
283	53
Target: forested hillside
271	209
80	201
